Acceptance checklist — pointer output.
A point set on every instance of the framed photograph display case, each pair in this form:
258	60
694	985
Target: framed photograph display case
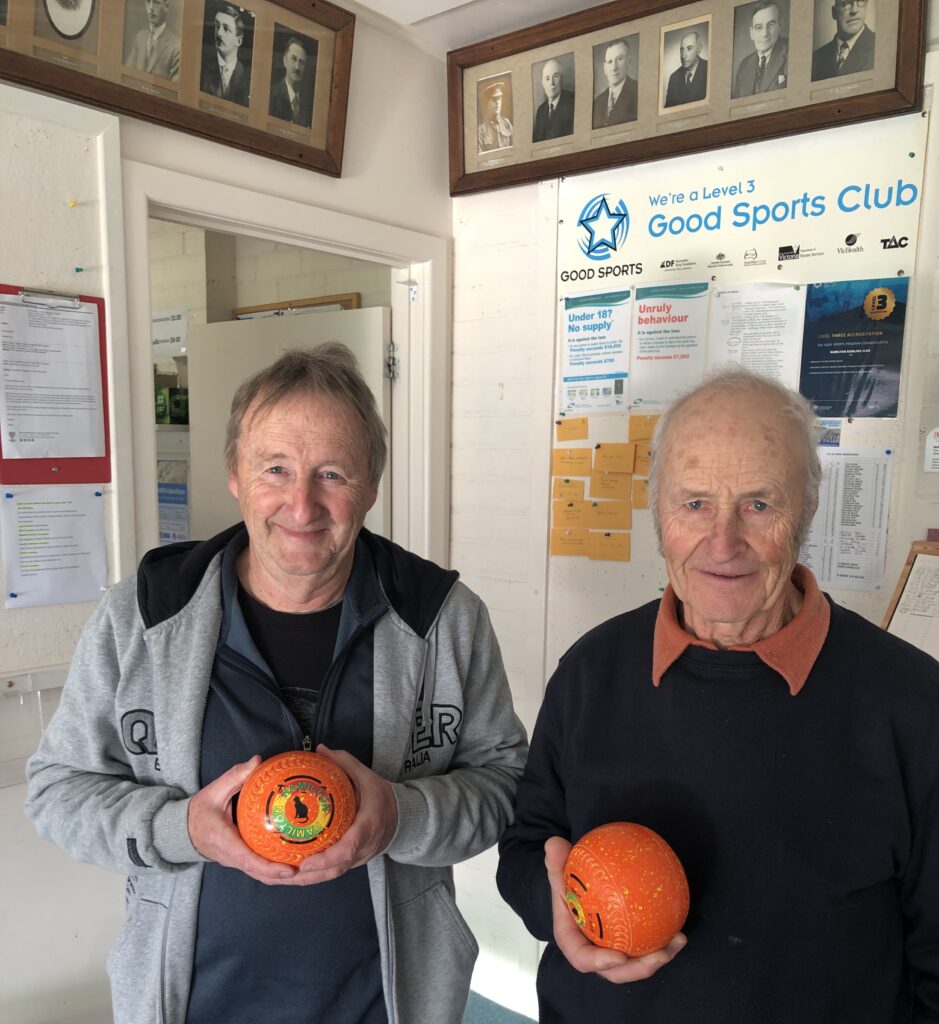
637	80
270	78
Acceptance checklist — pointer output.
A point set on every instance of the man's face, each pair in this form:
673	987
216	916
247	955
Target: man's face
764	29
227	36
730	502
849	16
690	48
294	64
614	64
551	79
494	106
302	485
156	11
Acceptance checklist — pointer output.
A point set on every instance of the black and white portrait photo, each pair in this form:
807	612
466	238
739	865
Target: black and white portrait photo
227	37
843	38
151	37
615	81
69	19
293	73
553	98
684	64
761	47
494	113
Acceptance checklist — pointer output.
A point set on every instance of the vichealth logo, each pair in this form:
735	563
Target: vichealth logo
604	228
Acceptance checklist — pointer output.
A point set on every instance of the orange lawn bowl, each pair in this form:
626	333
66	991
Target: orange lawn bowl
626	888
294	805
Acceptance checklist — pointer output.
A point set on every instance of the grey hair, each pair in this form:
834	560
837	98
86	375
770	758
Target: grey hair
734	379
329	371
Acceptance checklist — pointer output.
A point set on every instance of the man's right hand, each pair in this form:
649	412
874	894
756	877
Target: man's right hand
215	835
580	952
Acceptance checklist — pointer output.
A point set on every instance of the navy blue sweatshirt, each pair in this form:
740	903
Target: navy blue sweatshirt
808	825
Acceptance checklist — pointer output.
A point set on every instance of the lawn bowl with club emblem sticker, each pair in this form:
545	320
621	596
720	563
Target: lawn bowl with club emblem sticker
626	888
294	805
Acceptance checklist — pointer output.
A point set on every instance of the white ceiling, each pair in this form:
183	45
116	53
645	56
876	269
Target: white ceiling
439	26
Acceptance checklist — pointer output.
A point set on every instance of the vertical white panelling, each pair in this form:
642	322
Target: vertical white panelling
60	196
503	367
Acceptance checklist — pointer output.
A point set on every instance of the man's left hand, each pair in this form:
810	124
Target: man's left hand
376	820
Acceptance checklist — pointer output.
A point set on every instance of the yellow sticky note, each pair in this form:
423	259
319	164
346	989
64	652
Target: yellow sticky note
641	427
643	458
640	493
569	542
610	485
611	547
572	429
566	489
614	458
569	513
608	515
570	462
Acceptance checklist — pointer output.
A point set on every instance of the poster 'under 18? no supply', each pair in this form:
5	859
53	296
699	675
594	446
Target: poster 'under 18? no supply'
594	358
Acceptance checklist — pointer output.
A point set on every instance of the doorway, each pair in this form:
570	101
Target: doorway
223	306
419	272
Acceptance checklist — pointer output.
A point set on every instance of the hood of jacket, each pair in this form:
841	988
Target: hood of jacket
169	576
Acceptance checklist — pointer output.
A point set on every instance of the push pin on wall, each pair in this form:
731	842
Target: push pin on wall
79	270
73	203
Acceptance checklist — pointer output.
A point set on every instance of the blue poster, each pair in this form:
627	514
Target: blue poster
851	346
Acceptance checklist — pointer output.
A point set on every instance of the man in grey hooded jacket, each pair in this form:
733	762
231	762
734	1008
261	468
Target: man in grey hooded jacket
297	627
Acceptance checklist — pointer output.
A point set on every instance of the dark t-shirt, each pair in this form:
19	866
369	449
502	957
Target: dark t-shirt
272	953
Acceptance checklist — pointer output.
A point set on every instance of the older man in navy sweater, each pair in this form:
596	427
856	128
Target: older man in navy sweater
785	747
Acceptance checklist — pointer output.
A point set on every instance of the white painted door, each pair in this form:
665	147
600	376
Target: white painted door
222	355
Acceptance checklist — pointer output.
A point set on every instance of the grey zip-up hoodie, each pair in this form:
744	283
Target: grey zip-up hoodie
100	787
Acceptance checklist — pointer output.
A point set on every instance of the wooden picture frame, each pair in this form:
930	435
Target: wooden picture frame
270	78
498	135
285	307
918	547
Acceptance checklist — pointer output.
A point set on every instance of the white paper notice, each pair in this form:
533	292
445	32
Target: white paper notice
848	540
760	327
595	339
668	342
53	544
931	452
50	381
916	617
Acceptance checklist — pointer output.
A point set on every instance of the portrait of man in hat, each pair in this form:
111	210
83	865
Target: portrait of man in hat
493	96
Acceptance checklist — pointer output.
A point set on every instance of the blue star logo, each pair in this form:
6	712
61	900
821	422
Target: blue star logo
605	229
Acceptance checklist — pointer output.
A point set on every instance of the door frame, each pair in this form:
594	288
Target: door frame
420	267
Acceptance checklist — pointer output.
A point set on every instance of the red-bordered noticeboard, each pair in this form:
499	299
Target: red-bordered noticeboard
80	470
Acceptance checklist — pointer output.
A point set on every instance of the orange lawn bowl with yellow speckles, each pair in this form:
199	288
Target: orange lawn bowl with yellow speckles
294	805
626	888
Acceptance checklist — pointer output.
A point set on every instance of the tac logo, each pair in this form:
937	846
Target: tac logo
895	243
605	229
789	252
720	257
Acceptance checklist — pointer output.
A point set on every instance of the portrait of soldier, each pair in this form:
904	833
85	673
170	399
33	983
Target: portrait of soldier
494	106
